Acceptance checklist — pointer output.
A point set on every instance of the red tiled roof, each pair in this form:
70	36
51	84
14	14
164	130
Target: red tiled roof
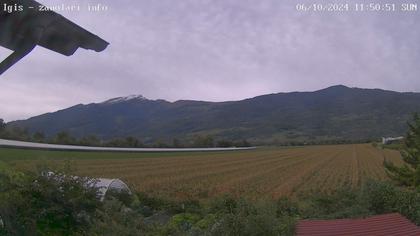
388	224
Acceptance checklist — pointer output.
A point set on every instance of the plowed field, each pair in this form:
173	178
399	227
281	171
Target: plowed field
269	172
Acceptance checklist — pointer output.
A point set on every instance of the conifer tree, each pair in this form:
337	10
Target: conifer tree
409	173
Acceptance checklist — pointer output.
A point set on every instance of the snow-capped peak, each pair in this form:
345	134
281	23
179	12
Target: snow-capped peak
124	99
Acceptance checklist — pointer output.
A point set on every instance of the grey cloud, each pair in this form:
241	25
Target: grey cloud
216	50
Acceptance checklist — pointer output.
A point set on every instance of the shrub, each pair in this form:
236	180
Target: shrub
409	205
124	196
184	221
152	202
375	197
206	222
285	207
381	197
250	219
224	205
114	218
54	204
344	203
241	217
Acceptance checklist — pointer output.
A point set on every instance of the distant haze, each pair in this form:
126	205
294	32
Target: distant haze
215	50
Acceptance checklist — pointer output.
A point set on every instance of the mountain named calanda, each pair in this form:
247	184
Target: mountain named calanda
334	113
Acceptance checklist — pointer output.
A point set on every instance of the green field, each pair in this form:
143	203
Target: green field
13	154
270	172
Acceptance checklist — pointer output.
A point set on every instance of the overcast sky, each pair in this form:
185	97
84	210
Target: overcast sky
215	50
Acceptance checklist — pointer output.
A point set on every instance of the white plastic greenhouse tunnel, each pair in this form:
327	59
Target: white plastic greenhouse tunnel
102	184
105	185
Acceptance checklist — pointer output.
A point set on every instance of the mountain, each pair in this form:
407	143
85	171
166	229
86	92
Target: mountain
337	112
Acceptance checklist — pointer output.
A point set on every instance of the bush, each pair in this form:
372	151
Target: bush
114	218
409	205
229	216
344	203
123	196
151	202
374	198
253	219
59	204
53	204
285	207
184	221
224	205
206	222
242	217
383	197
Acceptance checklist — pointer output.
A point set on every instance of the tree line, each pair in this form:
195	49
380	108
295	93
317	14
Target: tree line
65	138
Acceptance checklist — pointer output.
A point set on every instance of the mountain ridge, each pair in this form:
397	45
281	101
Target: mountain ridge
336	112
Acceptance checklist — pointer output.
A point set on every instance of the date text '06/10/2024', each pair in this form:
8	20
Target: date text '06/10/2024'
357	7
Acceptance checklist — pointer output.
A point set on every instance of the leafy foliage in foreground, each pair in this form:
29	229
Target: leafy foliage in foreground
59	204
46	204
409	173
374	198
39	204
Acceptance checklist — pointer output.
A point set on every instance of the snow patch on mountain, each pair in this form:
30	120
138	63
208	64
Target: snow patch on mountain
125	99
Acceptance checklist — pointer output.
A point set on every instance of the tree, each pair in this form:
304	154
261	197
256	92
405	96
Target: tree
133	142
409	173
14	132
39	137
2	125
128	142
203	141
90	140
64	138
243	143
176	143
225	143
2	129
160	144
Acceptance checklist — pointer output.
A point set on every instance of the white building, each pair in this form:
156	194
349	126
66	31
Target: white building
389	140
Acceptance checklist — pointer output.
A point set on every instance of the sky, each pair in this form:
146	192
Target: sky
215	50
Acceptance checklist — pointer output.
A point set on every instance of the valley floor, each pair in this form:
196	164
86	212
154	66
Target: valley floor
268	172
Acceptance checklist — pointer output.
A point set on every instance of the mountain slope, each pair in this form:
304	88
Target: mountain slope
336	112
